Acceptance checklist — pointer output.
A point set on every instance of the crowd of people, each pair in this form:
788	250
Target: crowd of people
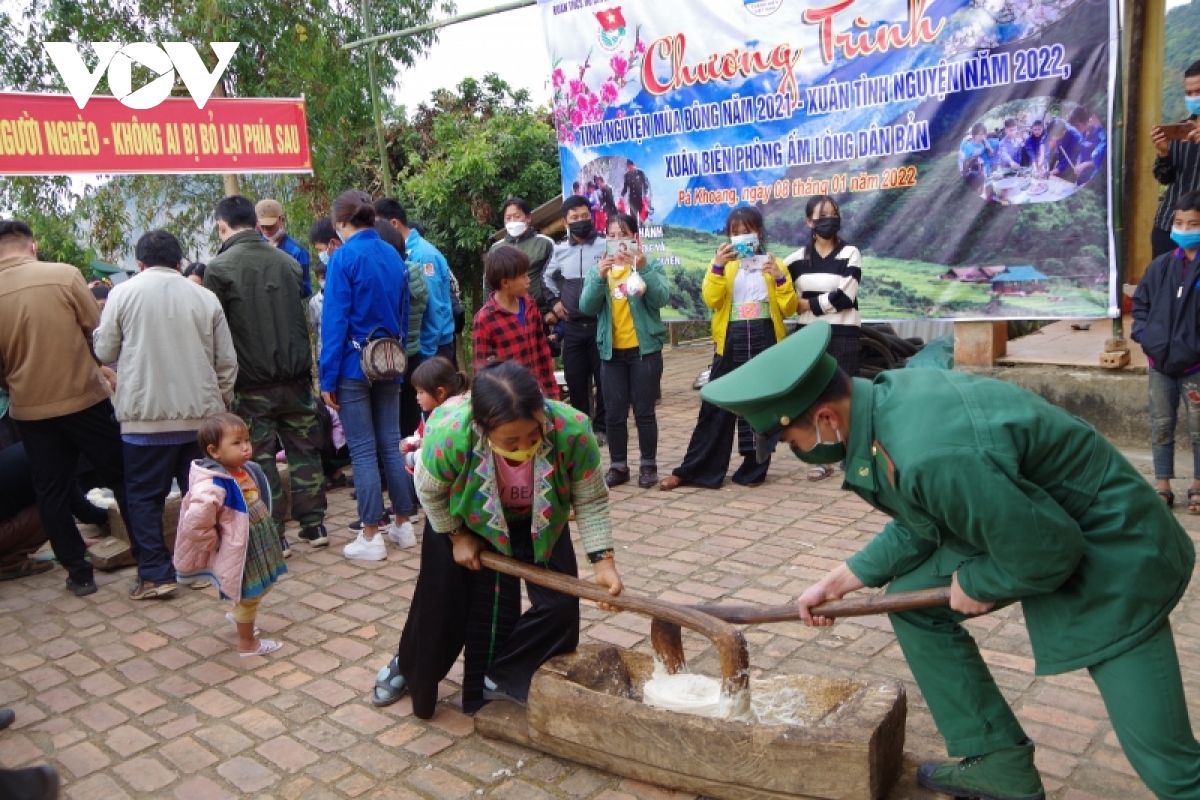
244	327
141	367
203	379
1071	149
634	198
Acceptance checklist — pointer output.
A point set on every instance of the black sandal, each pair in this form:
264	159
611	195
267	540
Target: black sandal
1168	496
1193	502
389	685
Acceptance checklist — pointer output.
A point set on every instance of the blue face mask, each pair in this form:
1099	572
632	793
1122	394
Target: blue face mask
1188	240
1193	104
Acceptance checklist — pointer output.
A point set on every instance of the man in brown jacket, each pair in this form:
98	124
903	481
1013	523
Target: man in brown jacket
59	398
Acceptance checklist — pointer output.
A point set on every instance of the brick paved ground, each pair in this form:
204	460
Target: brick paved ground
151	700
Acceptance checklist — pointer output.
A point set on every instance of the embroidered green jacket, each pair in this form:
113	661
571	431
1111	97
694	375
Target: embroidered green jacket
455	478
1034	504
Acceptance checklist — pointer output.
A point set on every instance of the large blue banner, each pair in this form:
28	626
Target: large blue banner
966	141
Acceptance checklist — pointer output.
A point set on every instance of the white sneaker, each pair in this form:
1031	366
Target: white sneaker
403	535
366	549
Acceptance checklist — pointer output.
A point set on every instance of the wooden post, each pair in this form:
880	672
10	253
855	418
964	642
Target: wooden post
1142	50
979	344
229	179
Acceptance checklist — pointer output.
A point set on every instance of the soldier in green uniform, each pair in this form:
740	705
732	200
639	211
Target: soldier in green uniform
1004	498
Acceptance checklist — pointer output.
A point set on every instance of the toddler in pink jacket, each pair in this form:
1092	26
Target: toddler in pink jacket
226	534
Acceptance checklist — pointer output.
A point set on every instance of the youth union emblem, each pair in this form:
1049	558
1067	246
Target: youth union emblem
612	28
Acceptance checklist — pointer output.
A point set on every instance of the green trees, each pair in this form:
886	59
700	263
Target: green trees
461	154
289	48
454	160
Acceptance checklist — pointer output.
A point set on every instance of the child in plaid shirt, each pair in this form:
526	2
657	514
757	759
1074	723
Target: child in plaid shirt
509	327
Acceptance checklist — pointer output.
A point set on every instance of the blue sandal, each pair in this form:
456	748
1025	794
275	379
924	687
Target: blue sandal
389	685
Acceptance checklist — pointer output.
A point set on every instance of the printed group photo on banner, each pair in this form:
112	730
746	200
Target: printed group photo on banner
965	141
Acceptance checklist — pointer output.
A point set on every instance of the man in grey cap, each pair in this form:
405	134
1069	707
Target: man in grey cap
272	223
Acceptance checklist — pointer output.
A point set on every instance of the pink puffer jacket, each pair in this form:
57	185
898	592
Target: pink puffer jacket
214	527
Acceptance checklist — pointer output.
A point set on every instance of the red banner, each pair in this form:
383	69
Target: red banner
47	134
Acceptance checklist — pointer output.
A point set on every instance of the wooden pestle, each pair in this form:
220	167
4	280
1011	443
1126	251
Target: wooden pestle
714	622
730	644
854	607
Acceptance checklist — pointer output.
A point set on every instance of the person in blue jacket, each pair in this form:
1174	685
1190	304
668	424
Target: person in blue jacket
1063	152
272	224
437	326
977	145
1093	144
366	292
1035	147
1012	147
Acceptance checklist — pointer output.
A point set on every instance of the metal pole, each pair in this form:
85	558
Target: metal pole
433	26
384	172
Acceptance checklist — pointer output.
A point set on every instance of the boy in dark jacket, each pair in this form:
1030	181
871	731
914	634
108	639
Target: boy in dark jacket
1166	323
261	289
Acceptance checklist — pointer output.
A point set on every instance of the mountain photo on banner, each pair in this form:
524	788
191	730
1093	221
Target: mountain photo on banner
288	48
965	140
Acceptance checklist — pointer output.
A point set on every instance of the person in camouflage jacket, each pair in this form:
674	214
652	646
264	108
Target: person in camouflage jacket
261	290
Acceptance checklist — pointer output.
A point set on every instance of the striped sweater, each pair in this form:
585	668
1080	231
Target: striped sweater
1179	171
830	285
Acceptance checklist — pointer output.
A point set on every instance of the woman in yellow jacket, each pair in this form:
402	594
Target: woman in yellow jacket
750	294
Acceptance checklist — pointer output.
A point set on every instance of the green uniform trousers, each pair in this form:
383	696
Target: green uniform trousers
1142	690
287	415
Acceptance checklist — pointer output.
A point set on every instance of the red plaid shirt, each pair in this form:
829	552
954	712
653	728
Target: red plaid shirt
501	335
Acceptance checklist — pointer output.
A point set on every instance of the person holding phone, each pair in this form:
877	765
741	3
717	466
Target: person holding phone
1178	164
626	292
750	293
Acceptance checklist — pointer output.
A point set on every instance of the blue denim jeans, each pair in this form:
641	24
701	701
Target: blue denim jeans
1165	394
371	419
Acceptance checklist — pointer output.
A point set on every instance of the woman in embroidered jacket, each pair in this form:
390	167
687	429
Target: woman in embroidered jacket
500	472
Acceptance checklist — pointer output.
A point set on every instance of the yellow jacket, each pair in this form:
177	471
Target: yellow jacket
718	295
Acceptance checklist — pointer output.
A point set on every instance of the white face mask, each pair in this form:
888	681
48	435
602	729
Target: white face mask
516	229
324	257
746	244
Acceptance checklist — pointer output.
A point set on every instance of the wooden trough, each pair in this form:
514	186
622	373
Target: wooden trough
851	749
587	707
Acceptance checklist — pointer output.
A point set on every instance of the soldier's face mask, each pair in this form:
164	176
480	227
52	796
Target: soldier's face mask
822	452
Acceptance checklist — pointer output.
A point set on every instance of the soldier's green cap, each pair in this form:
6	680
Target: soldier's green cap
779	384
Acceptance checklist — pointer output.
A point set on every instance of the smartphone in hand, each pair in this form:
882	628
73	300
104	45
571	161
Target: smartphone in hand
1177	131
